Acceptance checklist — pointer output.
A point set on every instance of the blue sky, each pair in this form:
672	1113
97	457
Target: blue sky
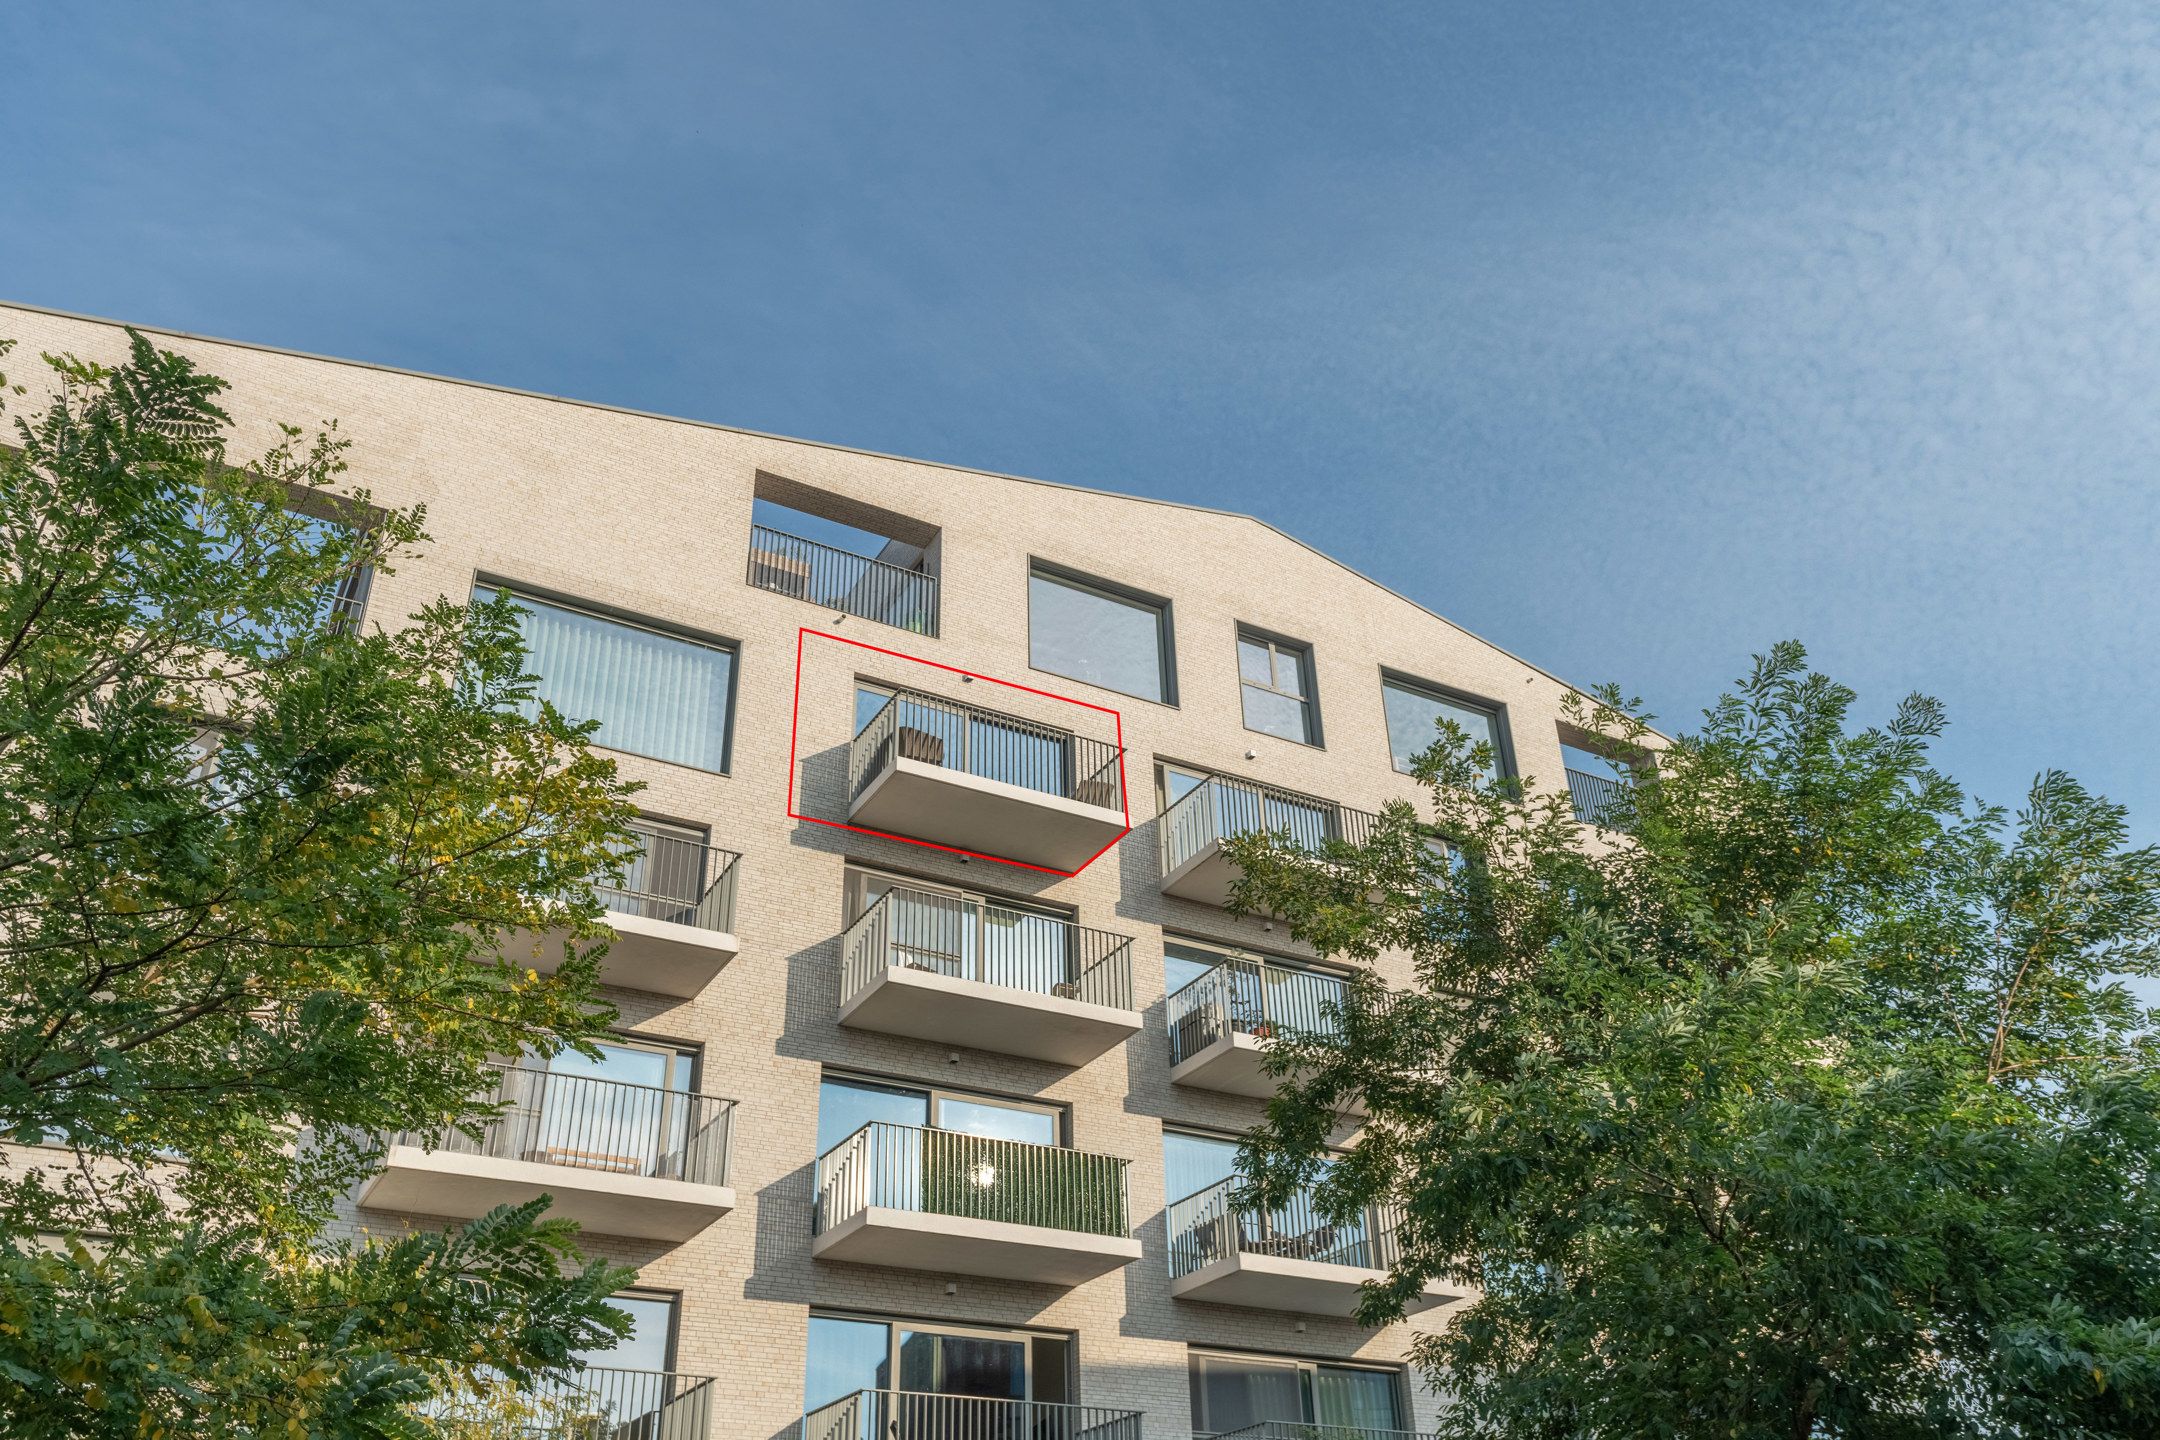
1632	337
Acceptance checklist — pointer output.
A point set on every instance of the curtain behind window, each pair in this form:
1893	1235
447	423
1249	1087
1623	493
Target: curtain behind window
1355	1398
653	694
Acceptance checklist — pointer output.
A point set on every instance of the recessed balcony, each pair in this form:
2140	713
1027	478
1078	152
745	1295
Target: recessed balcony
1288	1259
960	970
1222	1023
917	1415
1599	800
954	1203
1220	808
985	782
620	1159
673	917
902	596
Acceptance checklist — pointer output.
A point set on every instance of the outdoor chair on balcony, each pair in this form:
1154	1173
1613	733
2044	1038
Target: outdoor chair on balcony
590	1160
1101	791
783	574
921	745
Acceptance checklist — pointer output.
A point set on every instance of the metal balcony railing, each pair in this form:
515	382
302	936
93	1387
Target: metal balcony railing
909	1415
1309	1430
988	744
973	1177
1252	997
676	878
1207	1227
595	1404
842	580
584	1122
1594	796
1219	808
973	939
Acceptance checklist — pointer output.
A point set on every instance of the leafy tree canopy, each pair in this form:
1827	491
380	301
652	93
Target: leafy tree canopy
1807	1097
255	864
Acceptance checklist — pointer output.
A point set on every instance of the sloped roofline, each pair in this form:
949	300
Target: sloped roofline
789	440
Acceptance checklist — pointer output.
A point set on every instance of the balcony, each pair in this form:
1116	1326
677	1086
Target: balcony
878	1414
985	782
1221	808
1221	1023
836	579
620	1159
1288	1259
596	1402
1598	799
954	1203
962	971
673	918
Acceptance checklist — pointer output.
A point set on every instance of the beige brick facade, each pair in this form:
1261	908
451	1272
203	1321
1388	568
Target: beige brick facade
650	516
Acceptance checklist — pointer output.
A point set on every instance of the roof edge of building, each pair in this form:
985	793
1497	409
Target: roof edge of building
23	305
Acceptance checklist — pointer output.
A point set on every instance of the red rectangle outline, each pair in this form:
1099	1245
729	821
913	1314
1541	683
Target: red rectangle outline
795	725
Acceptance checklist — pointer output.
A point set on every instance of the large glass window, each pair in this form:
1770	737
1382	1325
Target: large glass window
1275	678
1094	633
654	694
845	1105
1414	713
650	1344
848	1354
1191	1163
1230	1392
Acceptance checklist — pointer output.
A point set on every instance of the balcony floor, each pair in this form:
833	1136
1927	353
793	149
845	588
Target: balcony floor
464	1187
952	1245
988	817
660	957
1274	1282
952	1011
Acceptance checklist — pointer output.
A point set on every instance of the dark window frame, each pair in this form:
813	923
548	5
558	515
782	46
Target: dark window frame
1279	645
1165	624
636	620
1503	735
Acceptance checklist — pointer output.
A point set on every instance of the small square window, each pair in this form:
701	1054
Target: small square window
1275	680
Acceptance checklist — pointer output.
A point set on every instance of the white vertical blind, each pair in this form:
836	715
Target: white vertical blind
653	694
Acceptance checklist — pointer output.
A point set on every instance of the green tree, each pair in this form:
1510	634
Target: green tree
255	861
1807	1098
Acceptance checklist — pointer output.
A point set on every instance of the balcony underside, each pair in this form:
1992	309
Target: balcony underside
660	957
603	1202
1230	1065
953	1011
952	1245
1275	1282
988	817
1204	877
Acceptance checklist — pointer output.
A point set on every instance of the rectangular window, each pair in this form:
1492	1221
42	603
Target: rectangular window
1089	631
846	1104
1231	1392
850	1354
1194	1162
1276	680
663	696
1414	712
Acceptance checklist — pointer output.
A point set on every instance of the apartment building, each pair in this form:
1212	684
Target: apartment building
935	1034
